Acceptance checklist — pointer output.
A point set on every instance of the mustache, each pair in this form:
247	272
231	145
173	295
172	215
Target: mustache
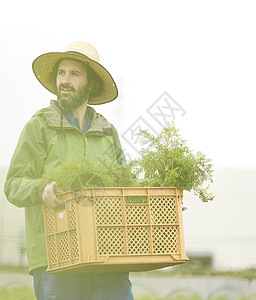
66	86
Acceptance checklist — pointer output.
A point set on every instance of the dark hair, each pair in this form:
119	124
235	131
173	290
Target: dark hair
94	81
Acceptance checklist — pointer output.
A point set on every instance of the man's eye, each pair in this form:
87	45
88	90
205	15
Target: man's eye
60	72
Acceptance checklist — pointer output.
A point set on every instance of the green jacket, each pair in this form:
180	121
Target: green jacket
47	141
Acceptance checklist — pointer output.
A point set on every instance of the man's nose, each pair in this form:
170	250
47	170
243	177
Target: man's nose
65	78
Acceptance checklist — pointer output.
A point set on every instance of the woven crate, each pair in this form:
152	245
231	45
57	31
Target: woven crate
115	229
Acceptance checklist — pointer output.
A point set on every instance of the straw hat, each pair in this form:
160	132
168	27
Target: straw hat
44	64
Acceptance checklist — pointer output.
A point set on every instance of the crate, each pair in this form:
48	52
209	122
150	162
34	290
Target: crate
115	229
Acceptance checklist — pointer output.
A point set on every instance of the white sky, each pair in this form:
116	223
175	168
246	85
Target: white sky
202	53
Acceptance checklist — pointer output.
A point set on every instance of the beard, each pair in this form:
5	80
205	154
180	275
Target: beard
75	99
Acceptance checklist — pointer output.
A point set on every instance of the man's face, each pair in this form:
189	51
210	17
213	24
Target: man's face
72	84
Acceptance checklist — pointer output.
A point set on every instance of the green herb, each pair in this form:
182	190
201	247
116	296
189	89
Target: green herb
167	161
88	172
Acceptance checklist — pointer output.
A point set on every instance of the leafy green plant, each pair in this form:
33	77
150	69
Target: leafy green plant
168	161
89	172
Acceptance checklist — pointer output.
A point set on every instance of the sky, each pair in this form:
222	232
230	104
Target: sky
190	62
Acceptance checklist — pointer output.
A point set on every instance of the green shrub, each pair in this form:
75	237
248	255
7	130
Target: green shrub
88	172
167	161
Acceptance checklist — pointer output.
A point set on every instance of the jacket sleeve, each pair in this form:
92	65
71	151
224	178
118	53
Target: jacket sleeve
24	186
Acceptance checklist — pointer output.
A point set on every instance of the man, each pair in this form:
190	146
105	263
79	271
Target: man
66	129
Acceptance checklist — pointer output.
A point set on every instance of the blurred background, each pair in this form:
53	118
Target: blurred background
191	62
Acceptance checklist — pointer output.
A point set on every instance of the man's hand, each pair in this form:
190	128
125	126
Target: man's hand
49	198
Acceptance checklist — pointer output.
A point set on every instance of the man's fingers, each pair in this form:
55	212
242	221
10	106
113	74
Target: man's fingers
49	197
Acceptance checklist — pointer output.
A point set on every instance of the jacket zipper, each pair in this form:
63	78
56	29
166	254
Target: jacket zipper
84	145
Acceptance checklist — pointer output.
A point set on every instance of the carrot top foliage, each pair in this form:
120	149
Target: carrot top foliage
165	161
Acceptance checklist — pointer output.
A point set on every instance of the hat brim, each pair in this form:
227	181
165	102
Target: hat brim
43	67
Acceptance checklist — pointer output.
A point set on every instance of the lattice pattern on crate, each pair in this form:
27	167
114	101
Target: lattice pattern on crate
165	239
74	245
64	251
136	214
72	215
123	228
110	240
138	240
58	243
63	246
52	249
109	211
163	210
50	221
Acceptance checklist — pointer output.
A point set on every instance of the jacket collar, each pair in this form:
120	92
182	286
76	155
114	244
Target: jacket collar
98	125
